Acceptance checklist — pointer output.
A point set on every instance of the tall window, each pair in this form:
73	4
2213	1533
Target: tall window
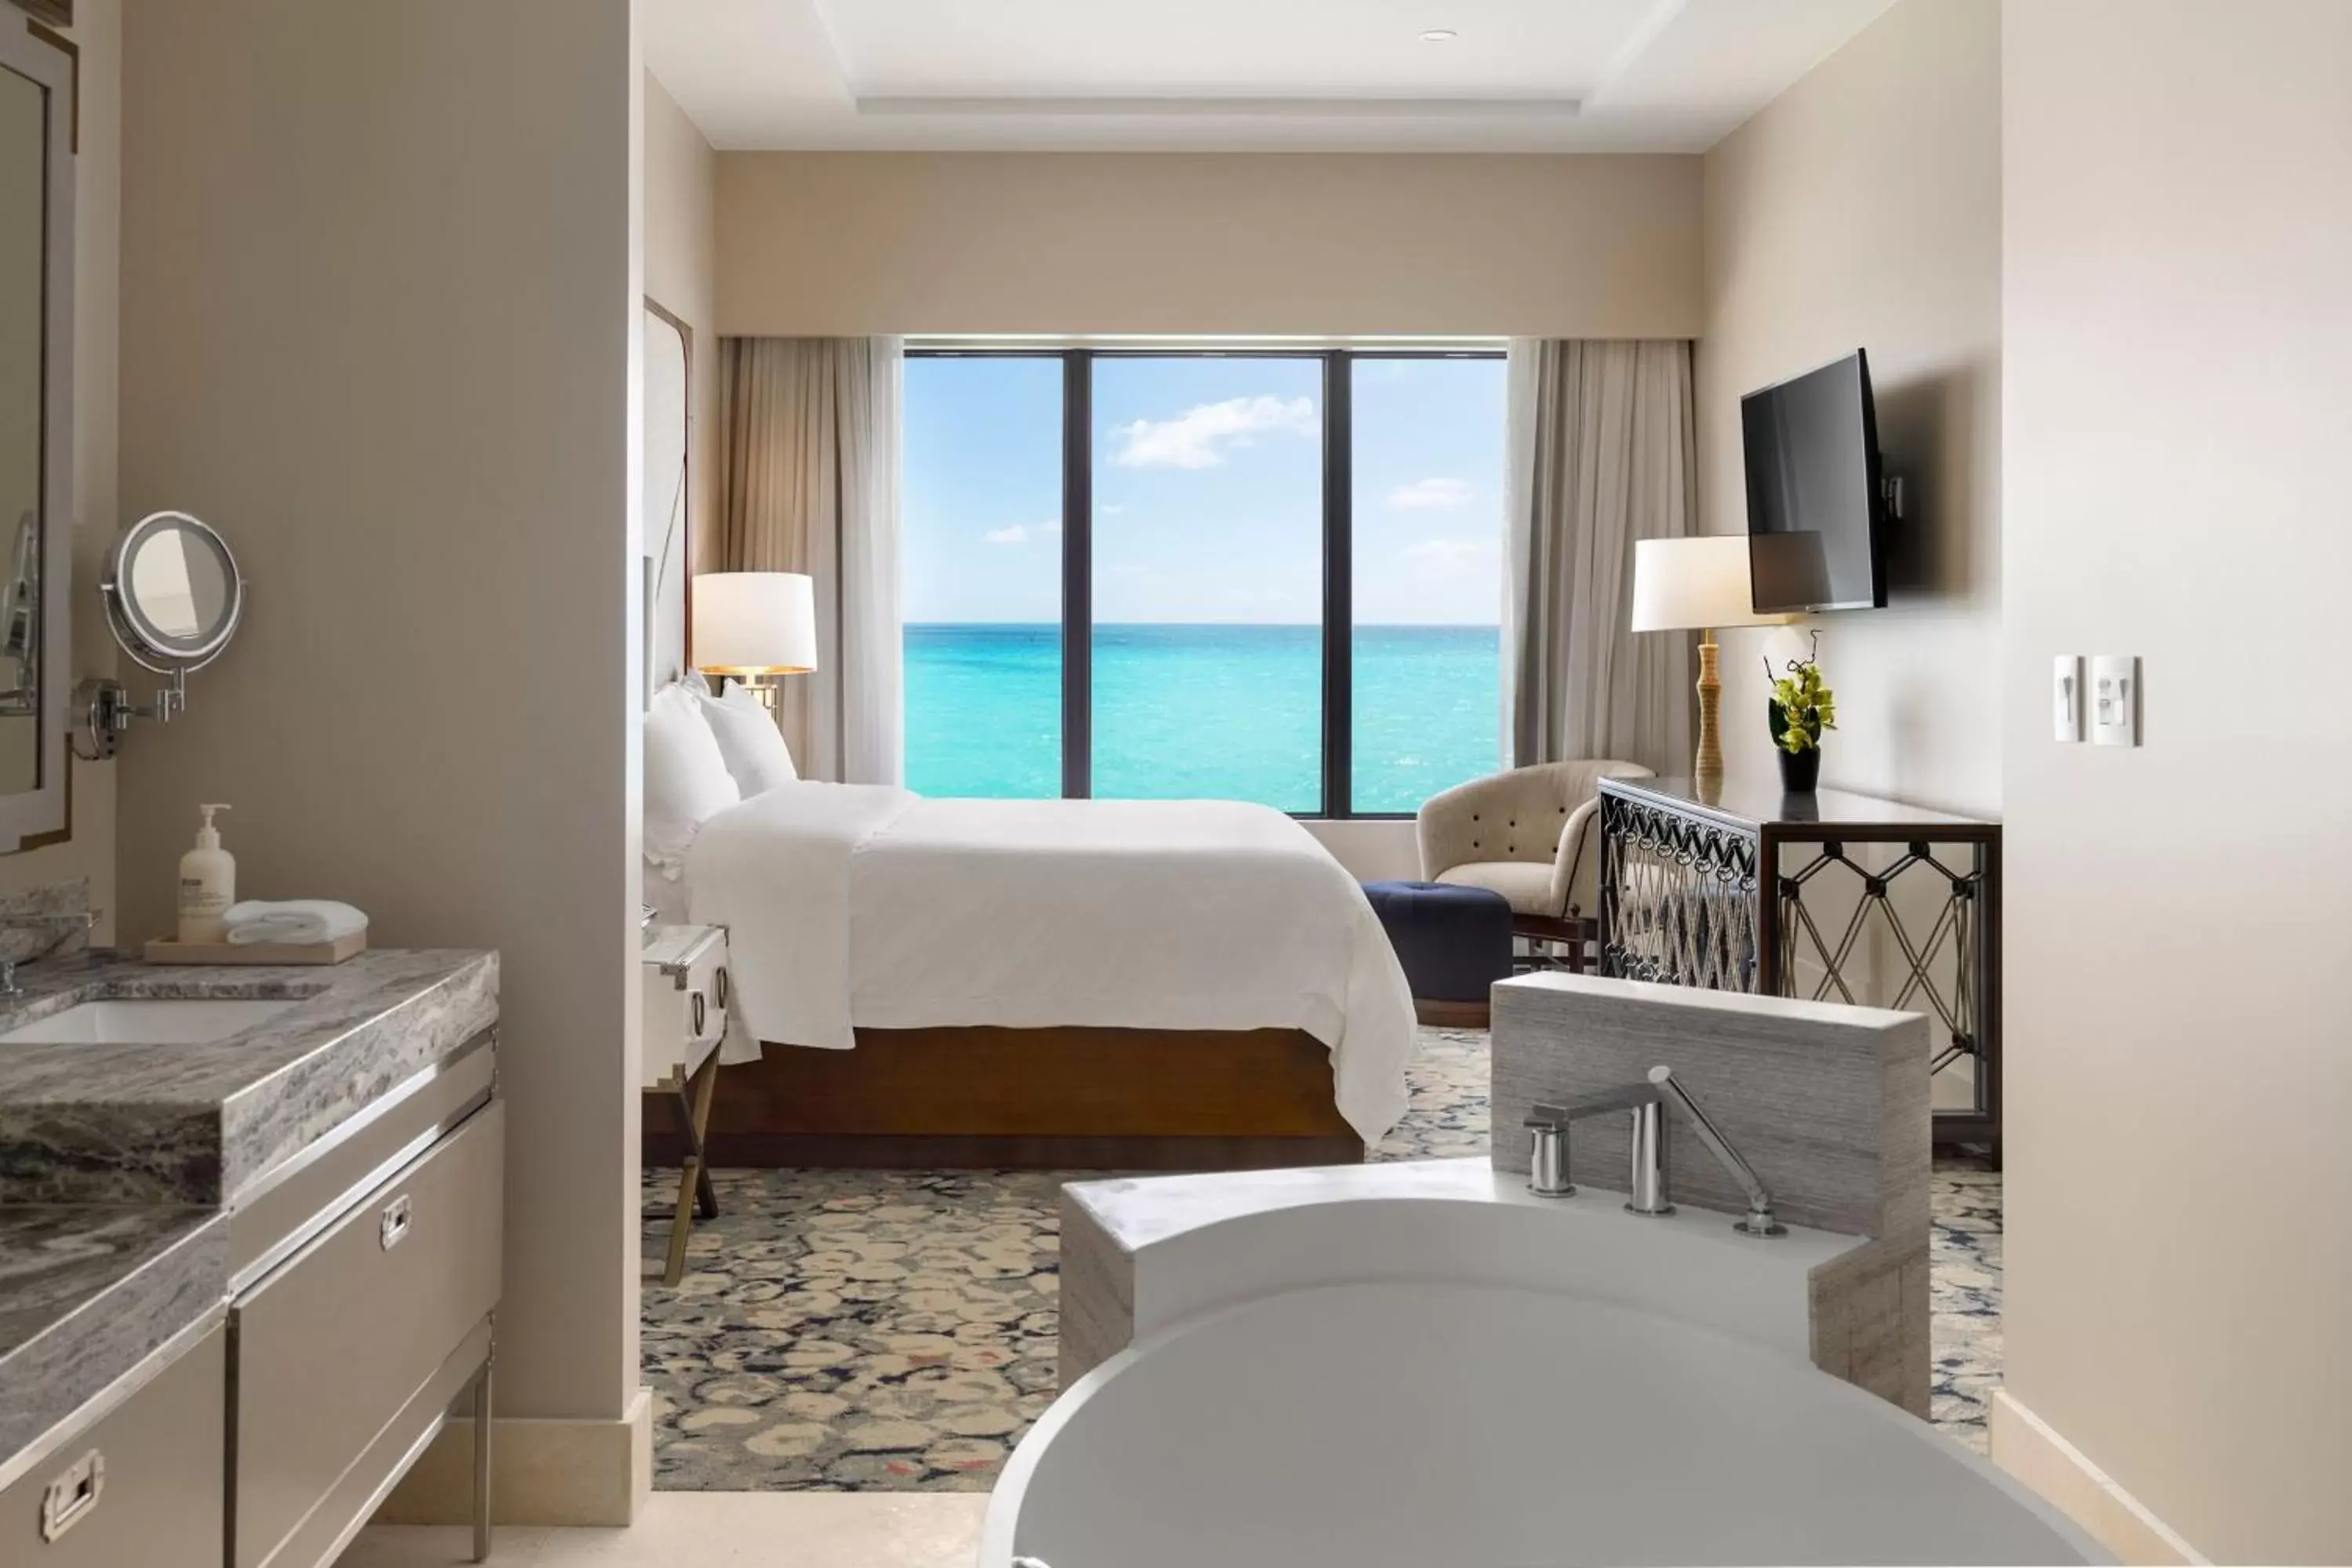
1428	560
1208	580
981	513
1240	576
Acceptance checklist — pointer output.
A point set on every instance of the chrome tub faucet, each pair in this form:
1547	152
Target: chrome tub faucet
1646	1182
1548	1161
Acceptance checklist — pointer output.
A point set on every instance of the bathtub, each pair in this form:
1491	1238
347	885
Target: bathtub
1422	1425
1424	1367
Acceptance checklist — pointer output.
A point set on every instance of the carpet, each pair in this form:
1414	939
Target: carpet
894	1331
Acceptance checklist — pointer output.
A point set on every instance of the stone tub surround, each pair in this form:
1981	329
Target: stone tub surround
1828	1103
87	1294
1140	1255
201	1123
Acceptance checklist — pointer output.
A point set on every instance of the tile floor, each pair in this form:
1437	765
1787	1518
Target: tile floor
718	1530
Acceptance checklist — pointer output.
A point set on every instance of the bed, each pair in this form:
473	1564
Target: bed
1039	985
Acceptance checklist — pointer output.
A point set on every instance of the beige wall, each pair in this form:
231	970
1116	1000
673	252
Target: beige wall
379	308
681	276
2178	238
888	242
1861	209
98	183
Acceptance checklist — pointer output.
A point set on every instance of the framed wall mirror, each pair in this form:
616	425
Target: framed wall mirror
669	526
37	237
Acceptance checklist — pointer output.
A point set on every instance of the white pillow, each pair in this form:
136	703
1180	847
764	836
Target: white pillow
748	738
686	781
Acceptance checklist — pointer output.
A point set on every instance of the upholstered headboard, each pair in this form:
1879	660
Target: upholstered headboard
668	528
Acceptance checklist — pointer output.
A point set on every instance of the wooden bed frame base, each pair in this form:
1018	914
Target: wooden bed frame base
1063	1099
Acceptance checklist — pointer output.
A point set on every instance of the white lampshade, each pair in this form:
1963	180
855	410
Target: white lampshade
1689	585
754	623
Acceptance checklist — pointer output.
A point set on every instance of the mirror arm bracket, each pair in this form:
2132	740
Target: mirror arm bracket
103	710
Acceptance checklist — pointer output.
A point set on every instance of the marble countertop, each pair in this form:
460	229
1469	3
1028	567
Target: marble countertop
86	1294
118	1163
200	1123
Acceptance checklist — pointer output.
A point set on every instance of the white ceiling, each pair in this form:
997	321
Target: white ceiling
1236	75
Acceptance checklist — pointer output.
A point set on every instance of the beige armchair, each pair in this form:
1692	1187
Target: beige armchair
1530	835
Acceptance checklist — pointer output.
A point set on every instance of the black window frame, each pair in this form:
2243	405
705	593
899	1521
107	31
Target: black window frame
1337	412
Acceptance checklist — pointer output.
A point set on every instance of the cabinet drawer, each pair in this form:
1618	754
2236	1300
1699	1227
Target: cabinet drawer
684	1014
153	1470
331	1346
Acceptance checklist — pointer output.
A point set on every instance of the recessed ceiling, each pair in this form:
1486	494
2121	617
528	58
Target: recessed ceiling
1668	76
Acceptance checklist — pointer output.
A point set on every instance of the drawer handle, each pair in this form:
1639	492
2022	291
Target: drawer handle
697	1016
722	985
394	1225
72	1496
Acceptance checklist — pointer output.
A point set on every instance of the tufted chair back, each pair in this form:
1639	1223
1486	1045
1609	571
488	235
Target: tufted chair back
1527	833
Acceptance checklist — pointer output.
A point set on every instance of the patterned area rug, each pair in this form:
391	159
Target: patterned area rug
893	1331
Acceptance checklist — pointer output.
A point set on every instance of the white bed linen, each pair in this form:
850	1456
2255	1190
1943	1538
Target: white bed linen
857	904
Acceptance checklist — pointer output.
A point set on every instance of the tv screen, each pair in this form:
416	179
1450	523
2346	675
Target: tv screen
1816	517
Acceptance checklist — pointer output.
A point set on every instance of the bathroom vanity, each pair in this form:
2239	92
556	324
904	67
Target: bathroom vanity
250	1231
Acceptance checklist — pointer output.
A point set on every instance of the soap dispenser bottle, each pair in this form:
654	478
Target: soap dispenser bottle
207	884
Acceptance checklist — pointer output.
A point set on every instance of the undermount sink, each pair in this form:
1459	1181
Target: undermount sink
179	1021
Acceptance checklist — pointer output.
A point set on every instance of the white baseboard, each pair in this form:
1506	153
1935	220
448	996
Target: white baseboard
550	1472
2033	1450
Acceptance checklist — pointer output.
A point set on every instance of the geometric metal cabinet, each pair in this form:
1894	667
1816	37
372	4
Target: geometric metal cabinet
1744	888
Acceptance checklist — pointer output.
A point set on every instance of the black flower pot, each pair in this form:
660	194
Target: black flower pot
1801	770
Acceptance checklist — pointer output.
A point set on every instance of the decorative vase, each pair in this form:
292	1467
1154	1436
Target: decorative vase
1801	770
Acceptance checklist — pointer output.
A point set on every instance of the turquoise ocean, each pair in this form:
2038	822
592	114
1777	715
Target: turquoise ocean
1202	712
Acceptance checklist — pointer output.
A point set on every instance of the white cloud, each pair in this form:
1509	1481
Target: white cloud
1023	532
1200	437
1450	557
1432	495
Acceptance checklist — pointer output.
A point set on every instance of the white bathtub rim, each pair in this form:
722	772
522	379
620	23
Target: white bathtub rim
1001	1520
1295	1191
1800	1252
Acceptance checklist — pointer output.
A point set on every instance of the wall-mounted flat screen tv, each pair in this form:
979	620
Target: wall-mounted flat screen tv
1817	520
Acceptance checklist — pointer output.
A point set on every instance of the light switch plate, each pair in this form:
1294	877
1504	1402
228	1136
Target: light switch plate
2114	697
2066	697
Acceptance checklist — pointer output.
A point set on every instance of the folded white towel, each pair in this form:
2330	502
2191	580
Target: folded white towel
291	920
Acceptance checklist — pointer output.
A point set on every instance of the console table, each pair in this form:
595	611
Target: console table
1685	875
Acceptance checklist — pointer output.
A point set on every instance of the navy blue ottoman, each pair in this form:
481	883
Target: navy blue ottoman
1452	941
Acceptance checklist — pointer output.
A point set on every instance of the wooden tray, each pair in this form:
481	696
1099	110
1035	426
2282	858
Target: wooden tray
162	951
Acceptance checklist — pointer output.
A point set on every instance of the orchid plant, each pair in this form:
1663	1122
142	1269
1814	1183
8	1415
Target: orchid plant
1801	706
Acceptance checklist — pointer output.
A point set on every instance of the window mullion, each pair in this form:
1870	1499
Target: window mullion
1338	582
1078	575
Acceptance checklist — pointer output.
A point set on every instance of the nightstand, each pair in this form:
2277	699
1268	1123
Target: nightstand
685	1022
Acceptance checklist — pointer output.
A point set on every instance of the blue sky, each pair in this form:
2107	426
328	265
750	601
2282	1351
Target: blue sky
1207	490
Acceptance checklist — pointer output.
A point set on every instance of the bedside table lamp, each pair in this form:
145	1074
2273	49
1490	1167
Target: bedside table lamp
754	626
1697	584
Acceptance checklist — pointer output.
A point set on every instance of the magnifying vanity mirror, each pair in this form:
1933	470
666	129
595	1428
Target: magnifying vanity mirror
173	597
37	227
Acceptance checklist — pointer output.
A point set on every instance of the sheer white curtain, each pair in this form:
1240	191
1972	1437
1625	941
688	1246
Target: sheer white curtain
1601	453
809	482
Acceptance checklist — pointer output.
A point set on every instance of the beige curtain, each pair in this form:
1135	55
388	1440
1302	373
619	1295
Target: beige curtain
1601	453
809	482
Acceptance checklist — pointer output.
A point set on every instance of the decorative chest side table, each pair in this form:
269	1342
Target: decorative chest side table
1741	887
685	1027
